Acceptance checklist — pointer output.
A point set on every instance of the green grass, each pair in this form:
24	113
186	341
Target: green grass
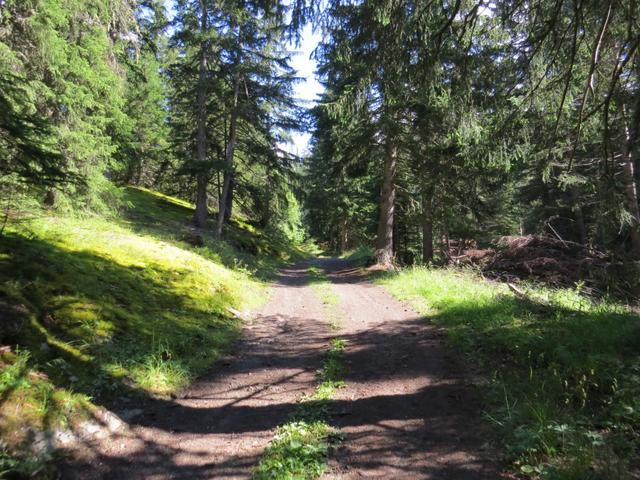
564	386
300	448
360	256
103	308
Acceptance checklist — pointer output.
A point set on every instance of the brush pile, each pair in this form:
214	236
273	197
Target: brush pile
554	262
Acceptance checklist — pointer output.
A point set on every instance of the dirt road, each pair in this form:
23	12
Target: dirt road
405	412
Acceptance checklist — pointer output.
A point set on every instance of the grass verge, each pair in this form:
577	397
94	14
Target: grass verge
96	311
301	447
564	393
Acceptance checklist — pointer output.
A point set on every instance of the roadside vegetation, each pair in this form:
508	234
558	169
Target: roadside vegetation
100	308
562	371
301	447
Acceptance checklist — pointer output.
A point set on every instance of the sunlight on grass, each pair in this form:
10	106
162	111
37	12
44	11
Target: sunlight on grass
565	389
106	308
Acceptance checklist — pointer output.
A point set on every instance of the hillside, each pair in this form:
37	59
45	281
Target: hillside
104	310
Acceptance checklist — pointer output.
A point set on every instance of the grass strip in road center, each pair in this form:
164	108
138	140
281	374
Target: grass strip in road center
301	447
323	288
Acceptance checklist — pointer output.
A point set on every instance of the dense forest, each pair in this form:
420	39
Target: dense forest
464	120
98	94
146	161
475	120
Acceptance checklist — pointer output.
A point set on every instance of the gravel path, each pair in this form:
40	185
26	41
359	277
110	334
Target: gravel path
405	412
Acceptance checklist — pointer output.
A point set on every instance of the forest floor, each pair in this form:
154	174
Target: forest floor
402	409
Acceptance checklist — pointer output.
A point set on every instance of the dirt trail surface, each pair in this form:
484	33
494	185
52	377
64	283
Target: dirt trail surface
219	427
404	412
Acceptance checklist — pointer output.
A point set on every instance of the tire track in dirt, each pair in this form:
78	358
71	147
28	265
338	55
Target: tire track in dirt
219	426
406	412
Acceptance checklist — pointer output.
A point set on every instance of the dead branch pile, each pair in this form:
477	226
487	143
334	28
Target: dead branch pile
554	262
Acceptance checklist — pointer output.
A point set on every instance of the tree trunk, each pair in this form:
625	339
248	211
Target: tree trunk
427	228
384	240
202	177
628	178
229	201
581	230
342	234
231	146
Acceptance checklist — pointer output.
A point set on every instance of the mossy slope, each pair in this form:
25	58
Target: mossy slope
94	309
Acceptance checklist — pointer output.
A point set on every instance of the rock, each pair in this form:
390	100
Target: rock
40	442
90	429
63	438
110	420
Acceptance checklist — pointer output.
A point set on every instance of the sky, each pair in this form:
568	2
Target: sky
308	90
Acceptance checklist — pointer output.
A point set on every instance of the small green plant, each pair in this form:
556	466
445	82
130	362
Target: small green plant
324	289
300	448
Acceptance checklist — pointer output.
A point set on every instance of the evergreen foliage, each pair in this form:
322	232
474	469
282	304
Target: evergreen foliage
472	120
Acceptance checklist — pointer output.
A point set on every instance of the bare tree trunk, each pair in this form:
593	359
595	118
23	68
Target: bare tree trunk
344	236
384	240
229	201
231	146
445	244
202	178
628	178
51	198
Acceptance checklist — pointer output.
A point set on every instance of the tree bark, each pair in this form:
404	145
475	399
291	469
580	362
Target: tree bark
628	178
202	177
231	146
384	240
51	198
229	200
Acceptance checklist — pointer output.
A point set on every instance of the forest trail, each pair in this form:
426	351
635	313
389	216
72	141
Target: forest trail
404	412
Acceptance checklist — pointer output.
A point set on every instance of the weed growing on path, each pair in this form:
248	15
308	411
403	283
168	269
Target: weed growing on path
565	389
301	447
322	286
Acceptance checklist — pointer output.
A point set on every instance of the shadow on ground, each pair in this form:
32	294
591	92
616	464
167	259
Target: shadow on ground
431	419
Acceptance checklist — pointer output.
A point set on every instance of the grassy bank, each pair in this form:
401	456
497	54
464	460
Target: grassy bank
96	310
563	386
